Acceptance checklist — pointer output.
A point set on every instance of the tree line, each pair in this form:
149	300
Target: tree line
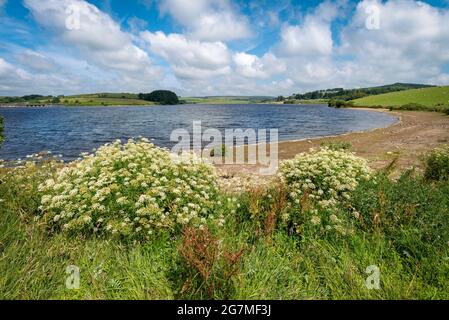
165	97
352	94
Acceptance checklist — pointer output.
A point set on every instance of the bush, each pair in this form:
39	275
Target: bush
129	190
337	103
208	264
446	111
437	164
160	96
338	145
317	182
413	106
219	151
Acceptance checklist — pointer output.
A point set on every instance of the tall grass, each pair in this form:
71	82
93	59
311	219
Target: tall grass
401	226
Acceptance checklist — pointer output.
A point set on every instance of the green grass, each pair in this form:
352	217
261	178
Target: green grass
402	227
311	101
427	97
94	101
224	100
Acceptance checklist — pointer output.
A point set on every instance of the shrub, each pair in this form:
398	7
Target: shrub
318	181
437	164
219	151
129	190
203	254
446	111
338	103
338	145
413	106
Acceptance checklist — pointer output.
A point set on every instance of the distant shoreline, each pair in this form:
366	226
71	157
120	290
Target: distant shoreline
415	133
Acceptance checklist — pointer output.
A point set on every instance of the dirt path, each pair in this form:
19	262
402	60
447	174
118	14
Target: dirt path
415	133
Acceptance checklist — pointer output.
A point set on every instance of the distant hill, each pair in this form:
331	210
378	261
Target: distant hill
351	94
227	99
117	99
429	97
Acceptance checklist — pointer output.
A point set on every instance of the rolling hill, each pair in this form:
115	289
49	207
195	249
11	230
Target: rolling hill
226	99
351	94
429	97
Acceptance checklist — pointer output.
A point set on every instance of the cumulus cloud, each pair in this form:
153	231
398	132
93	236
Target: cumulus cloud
8	73
251	66
97	36
189	58
212	20
411	42
17	81
328	46
36	61
313	36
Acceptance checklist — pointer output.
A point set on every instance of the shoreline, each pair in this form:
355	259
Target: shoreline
415	133
412	134
398	118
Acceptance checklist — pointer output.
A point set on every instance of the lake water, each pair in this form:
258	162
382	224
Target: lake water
72	130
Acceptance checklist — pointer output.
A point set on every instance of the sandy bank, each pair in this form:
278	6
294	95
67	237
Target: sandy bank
415	133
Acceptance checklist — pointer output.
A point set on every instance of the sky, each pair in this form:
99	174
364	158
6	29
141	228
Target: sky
219	47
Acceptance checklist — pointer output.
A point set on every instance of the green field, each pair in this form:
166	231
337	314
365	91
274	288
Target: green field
108	99
225	100
90	101
429	97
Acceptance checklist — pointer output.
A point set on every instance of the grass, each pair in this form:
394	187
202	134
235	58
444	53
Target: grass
225	100
311	101
94	101
427	98
400	226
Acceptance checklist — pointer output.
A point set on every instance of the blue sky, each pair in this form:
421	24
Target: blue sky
219	47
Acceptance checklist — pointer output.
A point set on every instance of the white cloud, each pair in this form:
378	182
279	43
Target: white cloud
412	43
17	81
251	66
211	20
312	37
189	58
8	72
36	61
97	36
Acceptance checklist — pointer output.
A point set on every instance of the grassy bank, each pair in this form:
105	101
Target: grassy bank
431	99
225	100
104	102
401	227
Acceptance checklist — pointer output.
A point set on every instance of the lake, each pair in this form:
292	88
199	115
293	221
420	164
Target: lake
72	130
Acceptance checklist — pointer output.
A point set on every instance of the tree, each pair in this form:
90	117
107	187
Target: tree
280	99
160	96
56	100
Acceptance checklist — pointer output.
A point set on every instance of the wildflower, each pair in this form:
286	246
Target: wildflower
315	220
106	182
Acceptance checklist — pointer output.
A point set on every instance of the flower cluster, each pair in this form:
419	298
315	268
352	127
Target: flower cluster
129	190
241	183
437	164
323	177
